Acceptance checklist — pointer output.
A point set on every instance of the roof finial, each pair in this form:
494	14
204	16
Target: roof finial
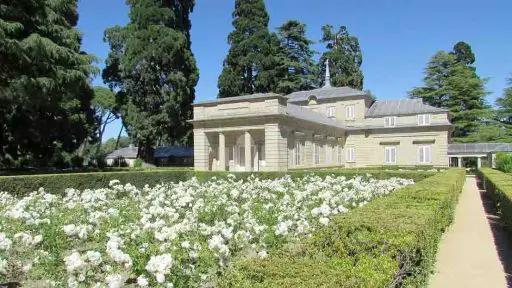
327	75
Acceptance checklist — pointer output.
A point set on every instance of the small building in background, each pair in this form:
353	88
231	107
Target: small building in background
182	156
123	157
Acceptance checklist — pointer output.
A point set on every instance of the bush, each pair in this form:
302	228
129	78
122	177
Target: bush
392	241
77	161
504	162
499	187
57	183
138	163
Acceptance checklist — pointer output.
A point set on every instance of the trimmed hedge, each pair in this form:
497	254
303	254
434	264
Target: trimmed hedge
57	183
390	242
499	187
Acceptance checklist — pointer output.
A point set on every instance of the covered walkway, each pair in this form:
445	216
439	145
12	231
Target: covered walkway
484	153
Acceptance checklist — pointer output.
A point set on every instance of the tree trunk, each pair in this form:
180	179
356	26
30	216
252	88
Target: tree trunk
119	136
146	151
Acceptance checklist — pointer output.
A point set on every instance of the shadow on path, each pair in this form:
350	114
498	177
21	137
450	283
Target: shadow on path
502	237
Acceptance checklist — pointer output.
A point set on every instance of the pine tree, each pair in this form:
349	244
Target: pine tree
451	82
296	69
152	66
345	58
249	66
45	91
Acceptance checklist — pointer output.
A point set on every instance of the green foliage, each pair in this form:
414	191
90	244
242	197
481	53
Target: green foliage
452	83
296	67
249	66
391	241
345	58
57	183
499	186
138	163
104	105
154	71
504	162
45	92
110	144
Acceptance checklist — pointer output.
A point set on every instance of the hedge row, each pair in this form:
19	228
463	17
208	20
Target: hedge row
499	186
390	242
57	183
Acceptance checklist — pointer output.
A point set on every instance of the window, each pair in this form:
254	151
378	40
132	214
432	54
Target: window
390	121
350	112
390	155
424	119
425	154
340	154
328	154
298	152
314	109
316	154
351	155
331	112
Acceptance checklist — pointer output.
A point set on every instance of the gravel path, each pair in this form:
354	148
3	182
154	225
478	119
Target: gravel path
469	252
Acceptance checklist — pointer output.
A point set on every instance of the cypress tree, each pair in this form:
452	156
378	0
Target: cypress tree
296	69
153	68
345	58
249	66
45	91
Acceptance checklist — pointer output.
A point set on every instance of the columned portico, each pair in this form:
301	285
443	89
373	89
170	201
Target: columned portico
222	152
248	160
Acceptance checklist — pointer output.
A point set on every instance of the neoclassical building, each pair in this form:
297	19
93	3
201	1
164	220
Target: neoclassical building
325	127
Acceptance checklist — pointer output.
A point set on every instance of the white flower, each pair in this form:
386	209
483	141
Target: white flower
115	281
94	257
185	244
113	182
263	254
3	266
324	221
142	281
160	266
5	243
74	262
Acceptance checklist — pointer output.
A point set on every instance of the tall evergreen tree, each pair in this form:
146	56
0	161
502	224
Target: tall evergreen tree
345	58
463	53
153	68
296	68
504	105
451	82
249	66
45	91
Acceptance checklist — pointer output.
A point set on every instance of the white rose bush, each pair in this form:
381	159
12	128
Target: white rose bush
170	235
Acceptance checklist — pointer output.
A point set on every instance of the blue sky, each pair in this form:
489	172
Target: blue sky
397	37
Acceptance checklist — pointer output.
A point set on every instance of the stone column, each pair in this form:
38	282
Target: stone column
459	162
478	162
248	158
222	152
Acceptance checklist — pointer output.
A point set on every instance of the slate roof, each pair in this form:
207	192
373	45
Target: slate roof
176	151
479	148
309	115
126	153
238	98
400	107
324	93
